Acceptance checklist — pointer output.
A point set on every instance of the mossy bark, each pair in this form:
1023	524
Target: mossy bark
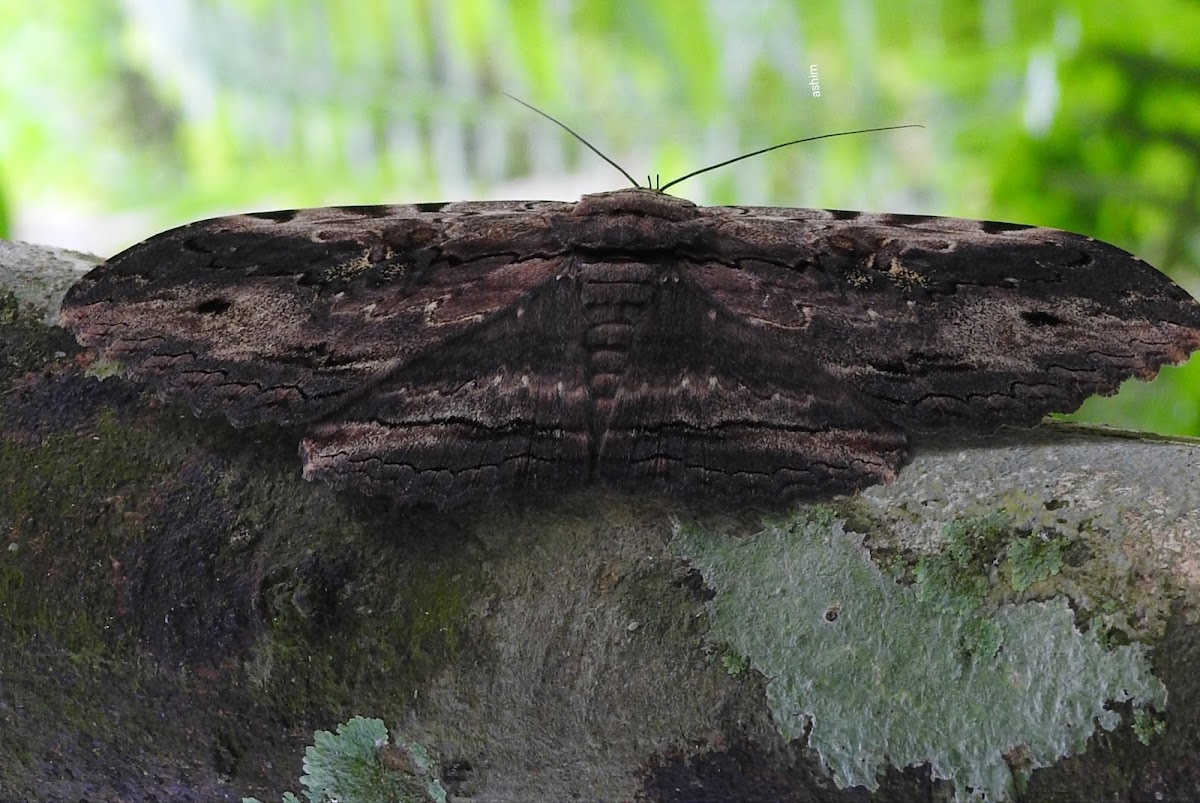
179	610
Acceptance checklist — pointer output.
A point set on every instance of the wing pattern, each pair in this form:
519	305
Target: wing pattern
444	352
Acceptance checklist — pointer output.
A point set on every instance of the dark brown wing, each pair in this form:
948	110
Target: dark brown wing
449	350
287	316
947	322
713	407
505	404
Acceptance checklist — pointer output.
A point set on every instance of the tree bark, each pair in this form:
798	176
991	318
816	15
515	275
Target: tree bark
179	611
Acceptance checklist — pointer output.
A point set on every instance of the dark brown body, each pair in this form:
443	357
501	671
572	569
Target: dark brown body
443	352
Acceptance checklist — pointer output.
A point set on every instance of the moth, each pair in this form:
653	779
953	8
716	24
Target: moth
441	353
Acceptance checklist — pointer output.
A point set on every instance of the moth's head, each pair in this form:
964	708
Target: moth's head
637	201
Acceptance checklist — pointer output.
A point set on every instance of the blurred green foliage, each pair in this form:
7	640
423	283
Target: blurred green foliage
1078	115
5	224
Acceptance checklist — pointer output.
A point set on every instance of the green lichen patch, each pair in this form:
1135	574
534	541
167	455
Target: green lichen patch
1035	558
101	368
1125	517
358	764
10	308
976	552
878	670
957	579
1148	726
734	664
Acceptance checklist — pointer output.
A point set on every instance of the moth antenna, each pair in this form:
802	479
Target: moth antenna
694	173
566	128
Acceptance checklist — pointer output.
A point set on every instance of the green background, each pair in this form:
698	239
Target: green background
119	119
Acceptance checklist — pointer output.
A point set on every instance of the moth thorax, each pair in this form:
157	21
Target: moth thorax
639	201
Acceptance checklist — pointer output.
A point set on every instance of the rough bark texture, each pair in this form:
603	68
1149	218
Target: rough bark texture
179	611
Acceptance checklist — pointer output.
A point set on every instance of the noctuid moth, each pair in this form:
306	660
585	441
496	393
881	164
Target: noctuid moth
443	352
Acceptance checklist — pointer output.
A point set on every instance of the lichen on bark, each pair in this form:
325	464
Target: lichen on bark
874	673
